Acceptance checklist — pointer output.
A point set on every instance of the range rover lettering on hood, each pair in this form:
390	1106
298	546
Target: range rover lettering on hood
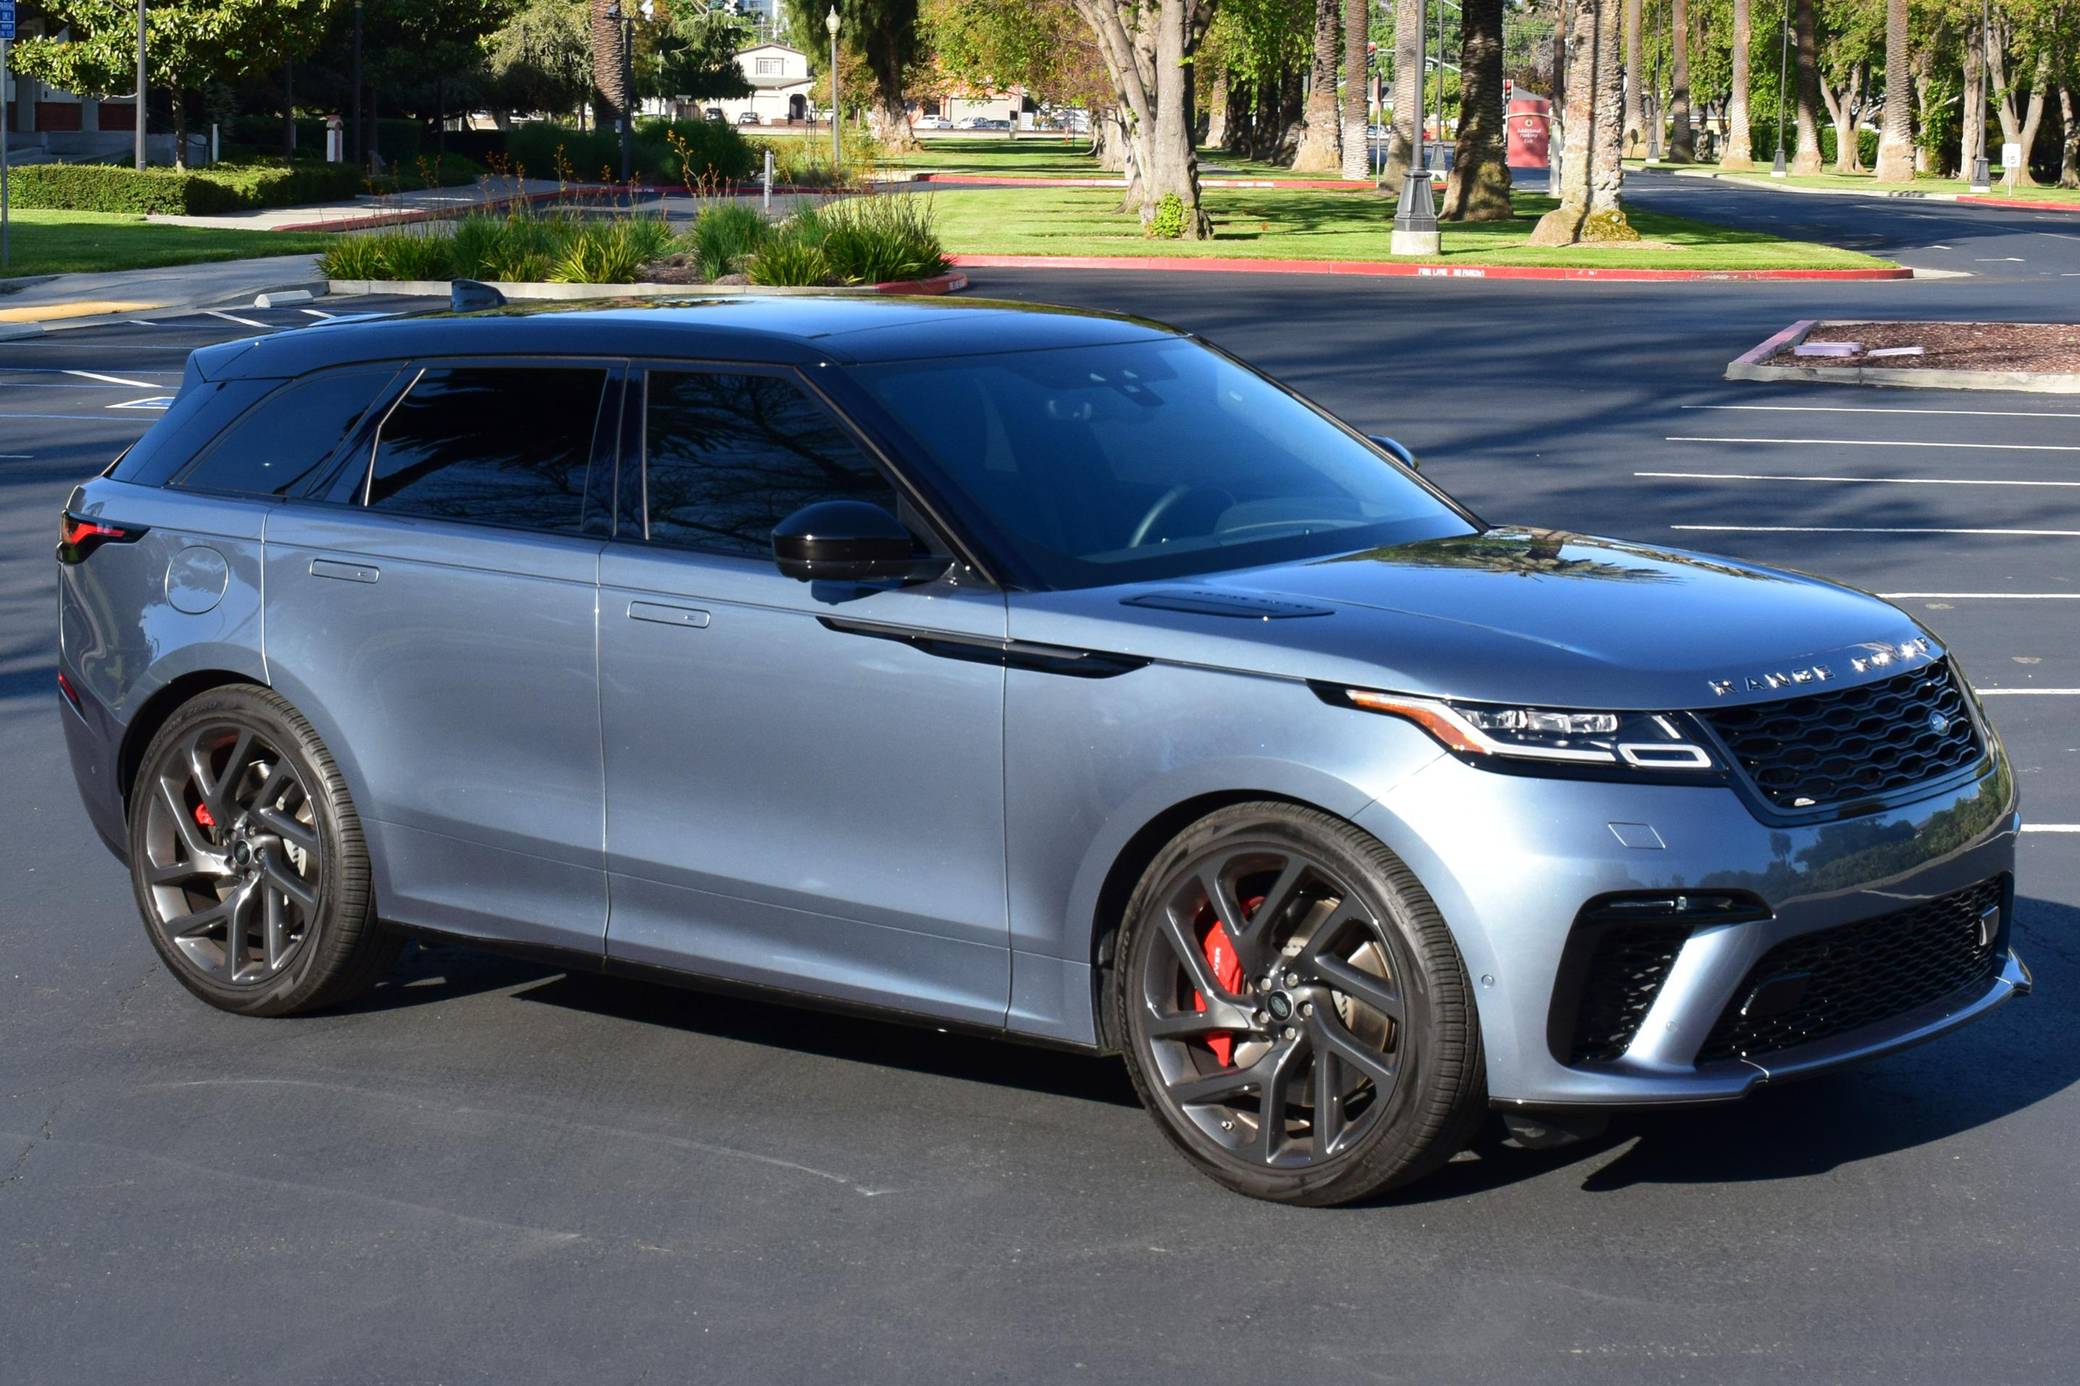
1878	654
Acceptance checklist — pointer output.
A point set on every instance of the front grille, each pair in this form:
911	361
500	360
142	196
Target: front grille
1850	744
1626	970
1859	974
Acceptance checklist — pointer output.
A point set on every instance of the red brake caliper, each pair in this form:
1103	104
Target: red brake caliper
1227	970
203	817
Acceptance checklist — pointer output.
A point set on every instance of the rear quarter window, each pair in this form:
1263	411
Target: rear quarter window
282	443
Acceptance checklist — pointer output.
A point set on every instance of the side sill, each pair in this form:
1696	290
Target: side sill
581	960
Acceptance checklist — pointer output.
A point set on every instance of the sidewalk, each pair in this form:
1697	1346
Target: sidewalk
81	300
389	209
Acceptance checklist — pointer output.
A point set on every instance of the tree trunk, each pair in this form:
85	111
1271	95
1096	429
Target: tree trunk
1321	145
2018	128
1591	170
1682	140
1357	149
1408	93
1972	132
178	100
1635	108
1217	113
1740	143
1174	166
1896	132
610	93
1480	181
288	110
1805	71
2069	112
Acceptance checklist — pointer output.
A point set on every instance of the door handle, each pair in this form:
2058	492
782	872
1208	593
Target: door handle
668	615
345	572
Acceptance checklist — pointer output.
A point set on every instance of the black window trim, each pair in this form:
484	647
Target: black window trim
635	470
613	369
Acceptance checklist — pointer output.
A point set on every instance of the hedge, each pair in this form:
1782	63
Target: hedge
711	149
197	192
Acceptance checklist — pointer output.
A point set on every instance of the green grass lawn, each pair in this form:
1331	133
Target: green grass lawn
1864	182
70	242
1282	224
1052	156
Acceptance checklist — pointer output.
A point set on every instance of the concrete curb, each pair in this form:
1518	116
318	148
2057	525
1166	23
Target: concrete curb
1748	366
1382	269
950	282
1908	194
9	331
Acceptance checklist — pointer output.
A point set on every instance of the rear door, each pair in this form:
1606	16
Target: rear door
804	780
436	620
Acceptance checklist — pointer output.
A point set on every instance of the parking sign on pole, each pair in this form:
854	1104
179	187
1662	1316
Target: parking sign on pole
6	118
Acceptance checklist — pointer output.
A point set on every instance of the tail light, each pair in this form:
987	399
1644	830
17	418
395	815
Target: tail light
79	537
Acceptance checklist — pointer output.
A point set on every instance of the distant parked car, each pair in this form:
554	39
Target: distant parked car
714	113
932	122
748	118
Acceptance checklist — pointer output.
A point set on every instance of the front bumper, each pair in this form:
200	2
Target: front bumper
1511	860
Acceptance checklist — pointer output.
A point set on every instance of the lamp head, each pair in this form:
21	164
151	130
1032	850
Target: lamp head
830	21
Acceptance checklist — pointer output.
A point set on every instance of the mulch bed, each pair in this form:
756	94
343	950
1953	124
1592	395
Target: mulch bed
2050	348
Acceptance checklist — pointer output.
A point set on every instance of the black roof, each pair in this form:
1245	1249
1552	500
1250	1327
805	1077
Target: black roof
797	329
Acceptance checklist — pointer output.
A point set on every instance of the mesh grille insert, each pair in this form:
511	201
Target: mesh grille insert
1626	970
1850	744
1861	974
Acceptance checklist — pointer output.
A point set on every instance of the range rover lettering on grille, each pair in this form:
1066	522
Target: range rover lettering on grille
1877	655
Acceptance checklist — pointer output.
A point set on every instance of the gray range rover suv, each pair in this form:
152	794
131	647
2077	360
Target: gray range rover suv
1045	674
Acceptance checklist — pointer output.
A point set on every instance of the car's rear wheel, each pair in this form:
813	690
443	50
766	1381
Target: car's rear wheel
248	861
1294	1013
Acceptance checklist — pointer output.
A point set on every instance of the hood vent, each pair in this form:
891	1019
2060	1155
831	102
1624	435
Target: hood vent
1206	603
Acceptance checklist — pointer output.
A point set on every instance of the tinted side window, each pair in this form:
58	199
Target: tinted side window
727	457
279	444
501	445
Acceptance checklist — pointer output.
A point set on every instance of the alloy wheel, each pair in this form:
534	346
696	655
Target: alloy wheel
231	869
1275	1017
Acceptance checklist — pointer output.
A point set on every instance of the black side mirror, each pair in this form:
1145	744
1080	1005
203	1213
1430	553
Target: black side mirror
845	541
1398	451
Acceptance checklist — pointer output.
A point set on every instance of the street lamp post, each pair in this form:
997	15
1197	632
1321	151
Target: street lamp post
137	111
1982	176
1415	218
830	22
1778	169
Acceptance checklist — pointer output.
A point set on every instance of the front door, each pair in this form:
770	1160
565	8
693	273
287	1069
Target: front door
797	795
436	622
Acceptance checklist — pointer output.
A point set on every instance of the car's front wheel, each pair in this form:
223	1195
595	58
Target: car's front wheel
1294	1013
248	860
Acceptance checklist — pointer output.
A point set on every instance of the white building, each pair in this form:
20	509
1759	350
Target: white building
781	91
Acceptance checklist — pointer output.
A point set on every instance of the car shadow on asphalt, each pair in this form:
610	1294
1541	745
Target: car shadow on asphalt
2025	1052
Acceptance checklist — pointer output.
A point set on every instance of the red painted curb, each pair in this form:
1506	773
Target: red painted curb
2018	202
1389	270
1029	181
953	281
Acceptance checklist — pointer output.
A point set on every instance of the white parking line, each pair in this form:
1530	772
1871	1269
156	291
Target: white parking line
1874	480
233	317
16	456
1897	409
1873	529
1881	443
1985	596
2027	692
317	313
113	379
2051	827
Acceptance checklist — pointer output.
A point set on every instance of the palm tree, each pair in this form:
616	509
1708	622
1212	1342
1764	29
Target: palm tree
1321	143
1408	92
1591	171
1682	142
1740	150
1357	15
1805	40
1479	187
1635	108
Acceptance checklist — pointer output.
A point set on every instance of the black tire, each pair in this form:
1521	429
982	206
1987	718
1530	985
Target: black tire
268	912
1348	892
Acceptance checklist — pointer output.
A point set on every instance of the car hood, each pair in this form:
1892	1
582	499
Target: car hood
1509	615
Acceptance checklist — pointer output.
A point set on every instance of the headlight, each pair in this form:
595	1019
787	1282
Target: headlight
1624	743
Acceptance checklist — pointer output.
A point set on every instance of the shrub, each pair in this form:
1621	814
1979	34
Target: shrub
353	257
1167	223
726	235
681	151
787	262
195	192
871	240
417	255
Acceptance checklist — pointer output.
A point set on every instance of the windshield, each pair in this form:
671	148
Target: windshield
1096	465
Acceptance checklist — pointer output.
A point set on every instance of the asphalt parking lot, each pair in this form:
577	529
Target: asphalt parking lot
490	1171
